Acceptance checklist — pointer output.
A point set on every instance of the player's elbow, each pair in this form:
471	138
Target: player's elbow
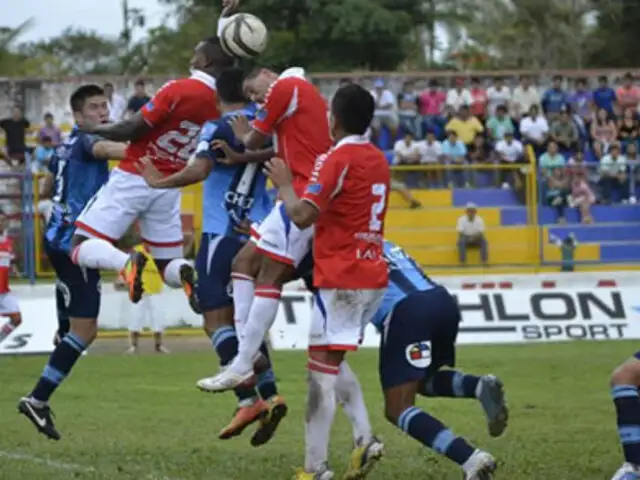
255	140
302	218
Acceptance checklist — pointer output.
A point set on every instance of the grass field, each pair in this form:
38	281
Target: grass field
142	418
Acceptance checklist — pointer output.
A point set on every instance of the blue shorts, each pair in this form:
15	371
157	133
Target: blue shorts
420	337
78	288
213	265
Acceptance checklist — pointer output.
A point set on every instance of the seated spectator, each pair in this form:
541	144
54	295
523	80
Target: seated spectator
465	125
454	152
408	116
50	130
480	152
509	151
628	128
384	114
534	130
432	102
555	99
406	151
581	100
613	175
582	197
603	128
577	164
458	96
430	154
631	154
628	94
498	94
500	124
478	107
551	159
42	155
525	96
565	133
556	193
471	235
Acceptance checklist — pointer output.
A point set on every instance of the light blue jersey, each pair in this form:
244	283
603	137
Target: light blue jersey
231	193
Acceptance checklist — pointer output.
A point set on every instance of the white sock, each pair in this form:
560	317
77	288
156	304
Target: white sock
171	272
262	314
321	408
244	288
349	395
99	254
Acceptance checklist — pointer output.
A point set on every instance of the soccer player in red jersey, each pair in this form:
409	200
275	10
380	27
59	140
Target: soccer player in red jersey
166	130
295	114
9	307
346	199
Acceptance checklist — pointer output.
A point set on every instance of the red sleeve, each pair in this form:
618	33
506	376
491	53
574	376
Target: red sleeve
161	105
326	181
282	95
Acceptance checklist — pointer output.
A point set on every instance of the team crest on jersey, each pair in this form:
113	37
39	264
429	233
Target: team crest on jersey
419	354
261	114
314	188
149	106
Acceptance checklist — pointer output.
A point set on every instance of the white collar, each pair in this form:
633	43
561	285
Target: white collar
353	140
205	78
293	72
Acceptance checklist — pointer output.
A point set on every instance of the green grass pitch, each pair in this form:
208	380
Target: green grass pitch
142	418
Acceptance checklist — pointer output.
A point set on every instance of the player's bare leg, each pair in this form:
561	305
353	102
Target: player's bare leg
158	342
13	321
134	339
625	382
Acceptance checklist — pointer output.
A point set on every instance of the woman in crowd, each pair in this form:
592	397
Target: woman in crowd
557	190
603	128
582	196
628	128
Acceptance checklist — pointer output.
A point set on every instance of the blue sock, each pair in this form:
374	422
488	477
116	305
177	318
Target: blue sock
225	343
431	432
267	380
627	402
60	364
451	383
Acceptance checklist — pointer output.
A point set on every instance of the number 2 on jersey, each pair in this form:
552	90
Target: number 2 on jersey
379	190
181	142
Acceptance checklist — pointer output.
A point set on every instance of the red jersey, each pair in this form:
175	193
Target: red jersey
350	187
176	113
6	257
296	114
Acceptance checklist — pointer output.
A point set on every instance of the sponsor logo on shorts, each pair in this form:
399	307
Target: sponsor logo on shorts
419	354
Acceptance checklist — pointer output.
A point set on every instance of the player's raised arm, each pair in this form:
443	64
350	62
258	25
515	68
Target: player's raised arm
127	130
231	157
109	150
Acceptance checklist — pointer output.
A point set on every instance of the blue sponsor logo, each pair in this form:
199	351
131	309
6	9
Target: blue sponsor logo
314	188
149	106
261	114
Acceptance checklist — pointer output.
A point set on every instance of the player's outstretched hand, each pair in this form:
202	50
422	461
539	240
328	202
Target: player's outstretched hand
240	126
276	169
230	157
149	172
228	7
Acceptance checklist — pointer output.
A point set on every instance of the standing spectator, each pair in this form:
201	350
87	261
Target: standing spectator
500	124
478	107
50	130
603	128
613	175
628	94
628	128
471	235
565	133
556	194
454	152
604	96
582	196
465	125
15	134
581	101
509	151
430	154
117	103
431	102
551	159
385	110
525	96
139	98
498	94
555	99
458	96
42	155
534	129
408	110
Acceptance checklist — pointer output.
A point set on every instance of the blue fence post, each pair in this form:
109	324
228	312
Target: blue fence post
27	222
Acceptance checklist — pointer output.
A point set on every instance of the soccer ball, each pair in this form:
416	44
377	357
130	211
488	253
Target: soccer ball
244	35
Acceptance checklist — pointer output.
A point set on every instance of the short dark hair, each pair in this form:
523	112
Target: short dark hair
82	94
557	77
48	115
46	138
603	78
108	84
229	86
214	53
502	108
139	82
353	106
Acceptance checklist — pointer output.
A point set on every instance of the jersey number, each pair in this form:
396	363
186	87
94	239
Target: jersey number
379	191
181	143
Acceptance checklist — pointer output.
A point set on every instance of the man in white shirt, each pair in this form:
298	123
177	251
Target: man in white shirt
406	151
498	94
430	149
117	103
534	129
471	235
524	97
385	112
458	96
509	151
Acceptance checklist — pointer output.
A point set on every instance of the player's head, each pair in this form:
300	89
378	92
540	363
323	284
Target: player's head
257	83
89	105
229	87
352	110
209	57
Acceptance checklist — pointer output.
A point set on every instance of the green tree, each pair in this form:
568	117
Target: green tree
14	62
616	34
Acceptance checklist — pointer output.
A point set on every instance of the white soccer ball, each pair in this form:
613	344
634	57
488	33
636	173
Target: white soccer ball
244	35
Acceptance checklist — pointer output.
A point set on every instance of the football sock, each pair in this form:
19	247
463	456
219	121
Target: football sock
349	394
321	408
267	380
225	343
451	383
171	273
431	432
627	403
63	317
99	254
243	291
60	364
261	316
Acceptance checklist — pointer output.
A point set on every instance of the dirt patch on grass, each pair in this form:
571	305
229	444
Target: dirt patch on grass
173	344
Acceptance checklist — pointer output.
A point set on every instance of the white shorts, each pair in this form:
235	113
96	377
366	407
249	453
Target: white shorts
127	197
281	240
9	304
339	317
146	313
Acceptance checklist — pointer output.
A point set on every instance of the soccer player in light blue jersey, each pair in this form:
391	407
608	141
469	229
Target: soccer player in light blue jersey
78	169
234	197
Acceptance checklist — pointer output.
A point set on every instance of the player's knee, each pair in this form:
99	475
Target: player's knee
86	329
274	273
246	261
393	410
77	240
627	374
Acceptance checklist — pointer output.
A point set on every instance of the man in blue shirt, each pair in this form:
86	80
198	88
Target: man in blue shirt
234	197
78	169
455	152
604	96
555	99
